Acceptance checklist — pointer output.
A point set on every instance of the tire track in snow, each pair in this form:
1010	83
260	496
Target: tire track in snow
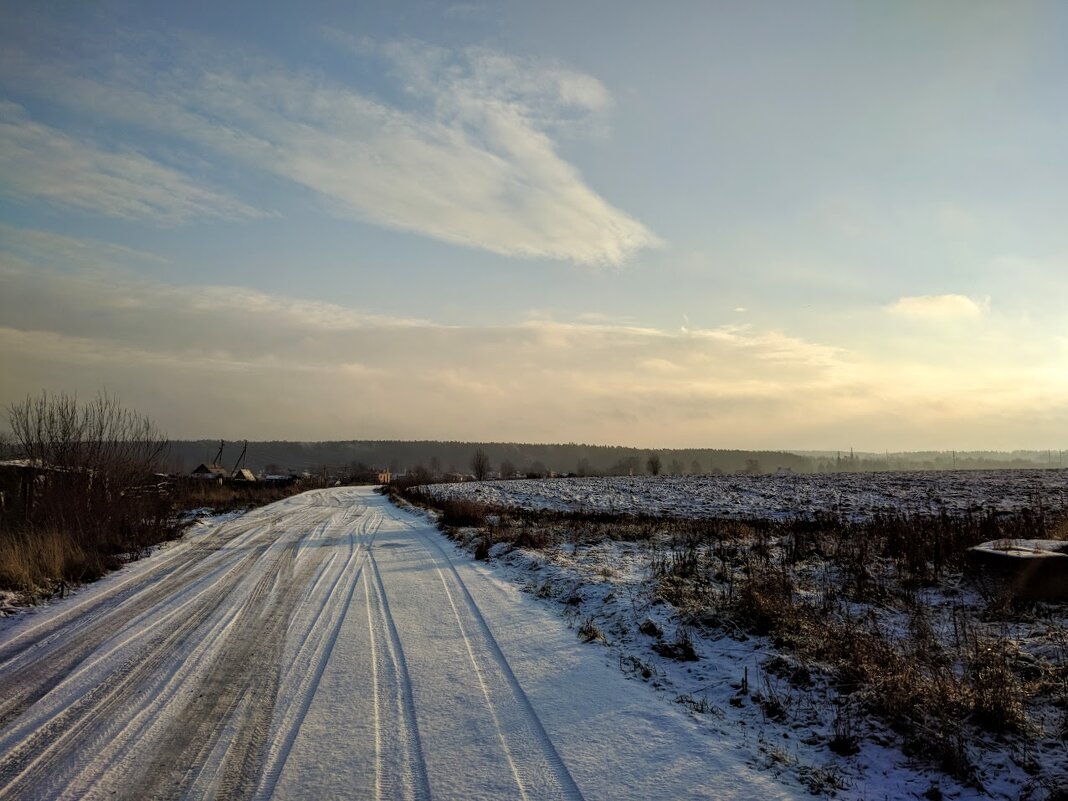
326	629
205	693
376	700
64	661
34	757
551	779
402	754
178	561
37	757
211	779
144	721
239	692
57	658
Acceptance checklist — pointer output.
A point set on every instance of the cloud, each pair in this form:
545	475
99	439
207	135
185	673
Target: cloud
210	356
59	250
39	161
473	83
939	307
237	361
468	158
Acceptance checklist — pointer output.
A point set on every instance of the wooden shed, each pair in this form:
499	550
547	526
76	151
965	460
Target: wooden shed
209	472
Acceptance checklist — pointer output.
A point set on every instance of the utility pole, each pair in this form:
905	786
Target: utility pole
240	459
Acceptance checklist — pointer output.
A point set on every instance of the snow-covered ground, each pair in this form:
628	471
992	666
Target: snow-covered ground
741	688
331	645
749	688
854	495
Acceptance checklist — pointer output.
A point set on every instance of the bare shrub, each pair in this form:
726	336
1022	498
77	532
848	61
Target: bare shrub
589	632
765	601
649	628
995	689
844	740
463	513
90	493
480	465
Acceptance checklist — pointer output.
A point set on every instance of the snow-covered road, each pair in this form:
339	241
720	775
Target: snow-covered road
333	646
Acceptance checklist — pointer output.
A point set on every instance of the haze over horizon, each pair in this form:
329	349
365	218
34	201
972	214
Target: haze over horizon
765	225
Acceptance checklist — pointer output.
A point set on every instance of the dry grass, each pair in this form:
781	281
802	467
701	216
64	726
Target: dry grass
833	595
227	497
462	513
86	536
30	561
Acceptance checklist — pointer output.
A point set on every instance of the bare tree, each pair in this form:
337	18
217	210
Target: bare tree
58	431
507	469
652	464
95	465
480	464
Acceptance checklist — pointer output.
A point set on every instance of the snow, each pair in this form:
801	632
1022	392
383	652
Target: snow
1025	549
332	645
609	584
854	495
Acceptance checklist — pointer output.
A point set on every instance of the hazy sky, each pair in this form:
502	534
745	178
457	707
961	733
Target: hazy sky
798	225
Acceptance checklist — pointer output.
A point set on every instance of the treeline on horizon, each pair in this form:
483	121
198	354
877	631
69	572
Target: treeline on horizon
443	457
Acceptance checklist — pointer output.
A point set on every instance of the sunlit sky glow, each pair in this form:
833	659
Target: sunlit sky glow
785	225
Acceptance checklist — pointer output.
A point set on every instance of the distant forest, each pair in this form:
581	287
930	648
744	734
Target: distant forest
439	458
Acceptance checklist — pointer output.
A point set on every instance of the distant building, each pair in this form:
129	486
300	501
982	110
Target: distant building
243	476
280	479
209	472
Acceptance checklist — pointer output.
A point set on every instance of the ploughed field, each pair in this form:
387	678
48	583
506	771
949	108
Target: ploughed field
855	496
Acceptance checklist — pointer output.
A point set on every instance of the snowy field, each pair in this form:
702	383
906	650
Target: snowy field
642	591
853	495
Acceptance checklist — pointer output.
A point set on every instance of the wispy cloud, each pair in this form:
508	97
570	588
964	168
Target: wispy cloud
39	161
58	250
470	158
939	307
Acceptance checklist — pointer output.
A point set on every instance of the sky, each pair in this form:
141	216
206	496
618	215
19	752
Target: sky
712	224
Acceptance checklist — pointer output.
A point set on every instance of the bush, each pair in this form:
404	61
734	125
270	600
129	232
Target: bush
460	513
87	494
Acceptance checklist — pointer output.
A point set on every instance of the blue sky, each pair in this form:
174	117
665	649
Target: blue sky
810	225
